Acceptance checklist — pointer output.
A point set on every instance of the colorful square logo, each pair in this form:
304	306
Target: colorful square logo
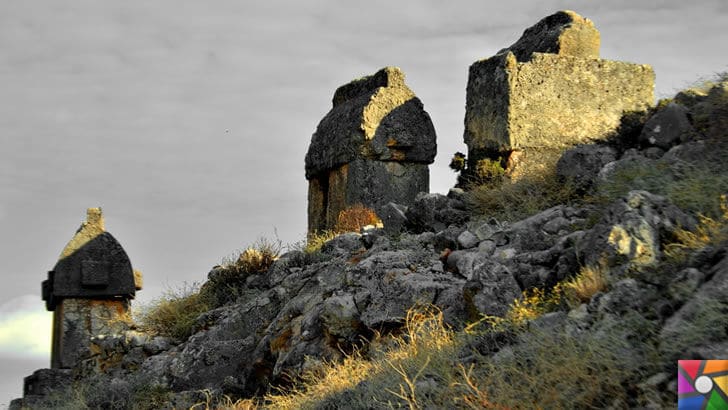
702	384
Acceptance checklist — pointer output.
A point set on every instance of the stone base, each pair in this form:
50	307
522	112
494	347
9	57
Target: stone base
366	182
76	321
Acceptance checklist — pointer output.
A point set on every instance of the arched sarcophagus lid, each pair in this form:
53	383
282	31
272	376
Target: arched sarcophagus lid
92	266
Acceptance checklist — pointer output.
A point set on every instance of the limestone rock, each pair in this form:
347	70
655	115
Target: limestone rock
343	245
467	240
669	126
632	229
393	217
372	148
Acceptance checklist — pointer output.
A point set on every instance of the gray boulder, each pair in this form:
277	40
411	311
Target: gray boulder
582	164
393	217
467	240
435	212
668	127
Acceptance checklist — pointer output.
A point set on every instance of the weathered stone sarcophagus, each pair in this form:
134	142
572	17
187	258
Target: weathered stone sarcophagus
549	91
373	147
89	291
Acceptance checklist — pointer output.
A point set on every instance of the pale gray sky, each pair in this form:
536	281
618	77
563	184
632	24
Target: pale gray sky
188	121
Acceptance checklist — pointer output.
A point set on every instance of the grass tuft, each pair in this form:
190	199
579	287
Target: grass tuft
175	313
588	282
708	232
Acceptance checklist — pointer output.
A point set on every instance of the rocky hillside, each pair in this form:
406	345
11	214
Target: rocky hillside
581	287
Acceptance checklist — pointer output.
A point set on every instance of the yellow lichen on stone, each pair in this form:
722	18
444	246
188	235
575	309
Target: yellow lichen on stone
93	227
384	100
635	243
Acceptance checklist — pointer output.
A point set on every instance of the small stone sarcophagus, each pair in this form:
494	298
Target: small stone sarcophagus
373	147
89	291
549	91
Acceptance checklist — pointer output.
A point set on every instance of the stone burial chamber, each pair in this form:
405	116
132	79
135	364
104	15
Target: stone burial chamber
372	148
89	291
547	92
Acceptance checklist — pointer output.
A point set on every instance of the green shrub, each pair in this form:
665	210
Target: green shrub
457	163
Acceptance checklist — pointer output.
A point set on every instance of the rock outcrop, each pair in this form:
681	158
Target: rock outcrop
372	148
548	91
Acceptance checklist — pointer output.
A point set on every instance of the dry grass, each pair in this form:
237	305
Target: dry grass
225	403
421	369
589	281
256	258
391	371
316	240
548	370
709	231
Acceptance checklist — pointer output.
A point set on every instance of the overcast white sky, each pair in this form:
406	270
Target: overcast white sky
188	121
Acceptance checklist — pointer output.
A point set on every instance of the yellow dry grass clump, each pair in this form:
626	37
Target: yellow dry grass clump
709	231
589	281
392	370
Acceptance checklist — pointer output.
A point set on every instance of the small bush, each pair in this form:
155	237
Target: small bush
256	258
175	313
534	303
457	163
352	219
489	170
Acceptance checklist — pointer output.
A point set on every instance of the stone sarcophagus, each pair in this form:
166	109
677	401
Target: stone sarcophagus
549	91
373	147
89	291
